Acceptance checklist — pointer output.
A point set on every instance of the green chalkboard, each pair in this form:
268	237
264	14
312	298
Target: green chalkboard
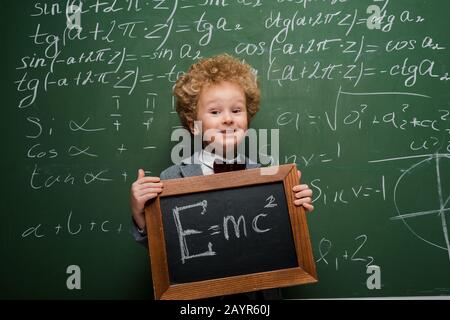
362	107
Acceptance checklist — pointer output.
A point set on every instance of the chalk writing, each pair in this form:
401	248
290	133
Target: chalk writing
357	89
238	227
355	254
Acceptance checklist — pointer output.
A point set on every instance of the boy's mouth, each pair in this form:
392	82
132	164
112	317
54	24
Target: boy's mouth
228	131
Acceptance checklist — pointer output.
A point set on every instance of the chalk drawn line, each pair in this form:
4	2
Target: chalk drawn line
442	204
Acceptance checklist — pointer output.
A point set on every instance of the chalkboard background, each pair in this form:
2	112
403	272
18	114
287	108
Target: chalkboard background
363	112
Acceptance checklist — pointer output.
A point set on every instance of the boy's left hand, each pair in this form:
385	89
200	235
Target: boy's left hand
303	195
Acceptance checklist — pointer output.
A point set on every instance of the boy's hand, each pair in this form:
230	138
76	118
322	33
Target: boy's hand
304	195
142	190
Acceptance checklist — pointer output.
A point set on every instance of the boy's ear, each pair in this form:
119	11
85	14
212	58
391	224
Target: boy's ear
194	128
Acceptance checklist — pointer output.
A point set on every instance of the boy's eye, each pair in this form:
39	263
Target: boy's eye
237	110
215	112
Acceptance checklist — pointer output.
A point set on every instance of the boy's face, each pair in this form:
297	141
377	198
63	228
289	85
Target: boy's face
223	112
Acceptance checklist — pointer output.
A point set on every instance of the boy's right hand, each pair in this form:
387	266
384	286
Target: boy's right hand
142	190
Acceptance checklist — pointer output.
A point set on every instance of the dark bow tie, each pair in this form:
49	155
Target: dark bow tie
225	167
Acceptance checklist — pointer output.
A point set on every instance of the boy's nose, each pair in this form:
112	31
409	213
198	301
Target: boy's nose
227	118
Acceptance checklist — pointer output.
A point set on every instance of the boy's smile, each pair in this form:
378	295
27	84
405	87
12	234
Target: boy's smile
222	109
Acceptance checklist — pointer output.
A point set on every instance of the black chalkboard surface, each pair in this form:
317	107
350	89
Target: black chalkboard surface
242	225
228	233
362	108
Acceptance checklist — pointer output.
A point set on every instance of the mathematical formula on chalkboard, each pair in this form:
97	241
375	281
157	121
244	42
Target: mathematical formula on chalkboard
359	91
238	226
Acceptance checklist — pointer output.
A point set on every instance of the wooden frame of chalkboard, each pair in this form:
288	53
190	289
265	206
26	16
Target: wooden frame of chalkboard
304	272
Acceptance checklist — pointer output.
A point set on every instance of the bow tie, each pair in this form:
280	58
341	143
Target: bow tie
225	167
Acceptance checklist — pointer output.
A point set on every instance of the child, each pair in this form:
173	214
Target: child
223	94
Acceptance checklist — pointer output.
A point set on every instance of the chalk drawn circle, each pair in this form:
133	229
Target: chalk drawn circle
418	228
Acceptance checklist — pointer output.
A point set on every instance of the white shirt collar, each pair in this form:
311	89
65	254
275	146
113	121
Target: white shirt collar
207	159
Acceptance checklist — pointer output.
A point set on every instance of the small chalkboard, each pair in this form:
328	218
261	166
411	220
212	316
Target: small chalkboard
228	233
